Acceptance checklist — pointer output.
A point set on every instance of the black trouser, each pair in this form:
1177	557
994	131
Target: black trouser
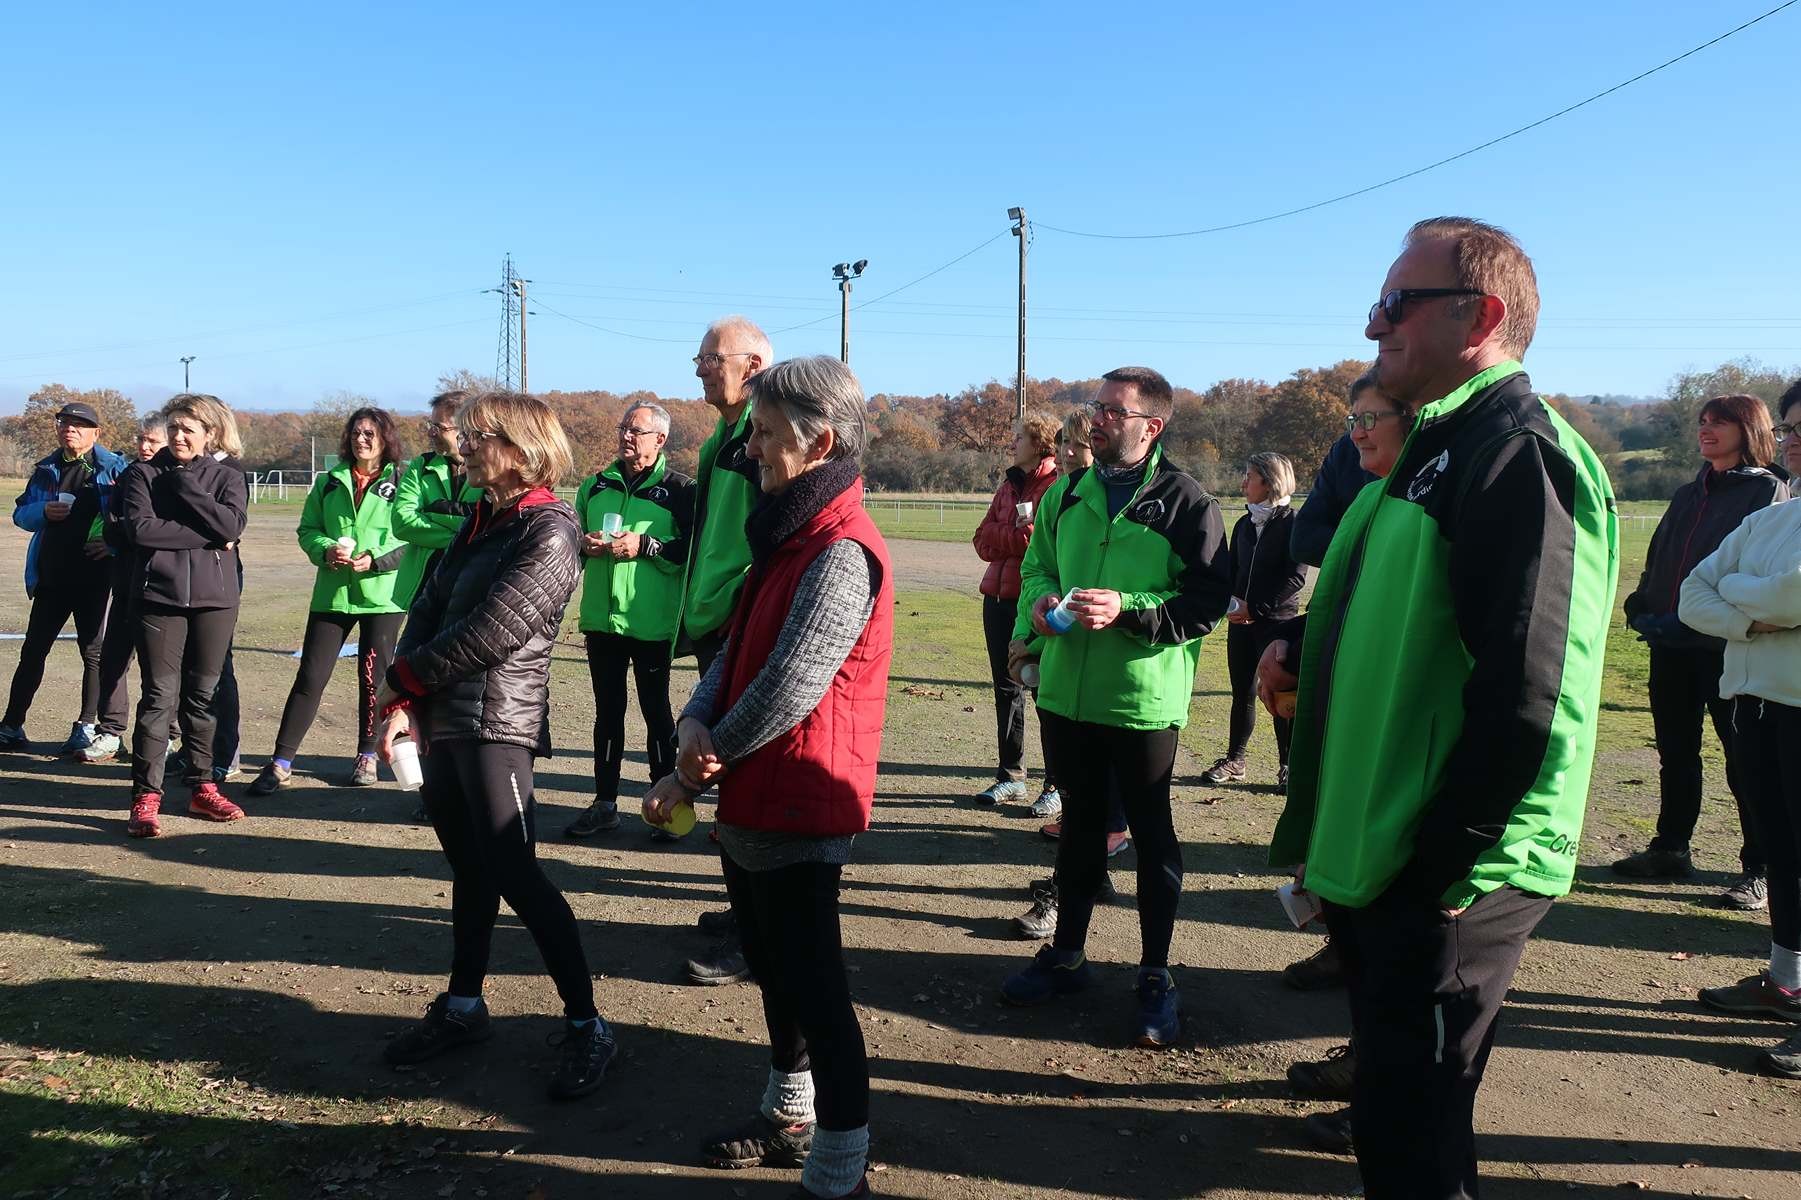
608	656
181	653
1425	991
1245	645
1685	684
1009	696
83	596
794	948
479	797
1089	761
1769	758
118	646
325	635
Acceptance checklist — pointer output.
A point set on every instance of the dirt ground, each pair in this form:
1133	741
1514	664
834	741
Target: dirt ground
203	1014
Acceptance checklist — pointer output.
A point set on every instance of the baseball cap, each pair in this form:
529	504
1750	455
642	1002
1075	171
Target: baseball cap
78	411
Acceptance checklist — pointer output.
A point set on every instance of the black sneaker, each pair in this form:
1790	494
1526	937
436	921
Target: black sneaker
759	1142
1656	864
582	1058
444	1028
1106	894
1330	1131
1324	968
270	779
1327	1079
1224	770
722	965
602	816
1040	921
1750	892
718	922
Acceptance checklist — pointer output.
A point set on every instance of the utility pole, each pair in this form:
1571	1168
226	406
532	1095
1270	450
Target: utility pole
185	360
519	286
1023	232
844	273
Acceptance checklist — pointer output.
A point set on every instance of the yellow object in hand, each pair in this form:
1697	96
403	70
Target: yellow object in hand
681	820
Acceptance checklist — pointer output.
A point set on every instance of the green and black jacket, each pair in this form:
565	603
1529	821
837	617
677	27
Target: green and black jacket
1165	553
1451	668
637	597
726	489
331	512
427	516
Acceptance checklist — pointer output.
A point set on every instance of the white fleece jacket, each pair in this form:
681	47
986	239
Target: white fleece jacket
1755	575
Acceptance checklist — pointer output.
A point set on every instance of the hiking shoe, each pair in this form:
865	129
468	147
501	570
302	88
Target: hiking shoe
1754	996
860	1192
207	801
759	1142
12	737
1053	972
1001	791
1327	1079
1224	770
1749	893
362	771
175	764
601	816
1783	1060
1159	1014
1655	864
1039	921
718	922
81	736
1053	831
1105	894
583	1054
221	774
1324	968
104	748
1331	1131
143	822
721	965
1049	803
271	779
444	1028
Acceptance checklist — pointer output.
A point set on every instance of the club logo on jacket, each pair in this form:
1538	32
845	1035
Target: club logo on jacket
1421	485
1148	512
657	495
385	489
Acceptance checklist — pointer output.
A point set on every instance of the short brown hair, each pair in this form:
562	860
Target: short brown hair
529	425
1491	261
1757	447
393	450
455	396
1154	391
1040	429
1075	428
1367	382
1789	399
210	411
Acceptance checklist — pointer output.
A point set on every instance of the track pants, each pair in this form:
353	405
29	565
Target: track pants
84	598
479	798
325	636
1245	644
181	653
609	654
1425	991
1769	754
1685	684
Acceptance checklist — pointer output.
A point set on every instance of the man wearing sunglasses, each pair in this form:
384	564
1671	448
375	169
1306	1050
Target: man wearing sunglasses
1449	679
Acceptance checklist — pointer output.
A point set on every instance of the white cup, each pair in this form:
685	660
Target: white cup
1024	509
612	524
65	497
405	764
347	544
1300	904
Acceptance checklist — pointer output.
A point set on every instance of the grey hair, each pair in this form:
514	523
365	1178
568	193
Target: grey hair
1276	470
750	335
657	411
815	394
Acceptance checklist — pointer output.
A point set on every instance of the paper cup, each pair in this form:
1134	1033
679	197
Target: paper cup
347	543
1301	905
1024	509
405	764
612	524
65	497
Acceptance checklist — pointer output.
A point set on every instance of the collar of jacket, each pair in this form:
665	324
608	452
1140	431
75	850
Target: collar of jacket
98	456
1709	478
342	474
1439	409
616	470
1091	490
780	516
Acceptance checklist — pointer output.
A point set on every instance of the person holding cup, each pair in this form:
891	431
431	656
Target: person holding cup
636	516
347	530
1000	540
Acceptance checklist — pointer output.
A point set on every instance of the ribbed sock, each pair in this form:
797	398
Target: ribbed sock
837	1161
1785	967
788	1099
462	1004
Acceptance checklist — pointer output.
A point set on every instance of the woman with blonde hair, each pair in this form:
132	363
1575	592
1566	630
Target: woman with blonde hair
470	680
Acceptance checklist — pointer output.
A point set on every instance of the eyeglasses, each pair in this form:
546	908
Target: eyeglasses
714	361
632	432
435	427
1393	306
474	437
1367	419
1785	431
1113	412
365	435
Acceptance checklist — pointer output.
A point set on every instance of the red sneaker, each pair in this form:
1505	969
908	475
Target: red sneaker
1052	831
209	803
144	807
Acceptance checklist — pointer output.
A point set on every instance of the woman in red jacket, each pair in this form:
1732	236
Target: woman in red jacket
1000	540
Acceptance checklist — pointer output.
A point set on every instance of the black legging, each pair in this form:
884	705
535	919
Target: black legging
325	635
794	947
479	798
1009	697
83	597
1768	737
119	644
1245	645
181	653
1090	760
608	656
1684	685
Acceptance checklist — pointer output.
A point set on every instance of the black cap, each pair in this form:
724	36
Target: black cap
77	411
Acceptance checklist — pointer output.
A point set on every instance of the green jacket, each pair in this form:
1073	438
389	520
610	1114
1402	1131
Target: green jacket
1165	553
329	514
637	597
427	517
1451	666
725	491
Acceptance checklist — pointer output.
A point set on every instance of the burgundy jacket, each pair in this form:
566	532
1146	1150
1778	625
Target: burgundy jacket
998	541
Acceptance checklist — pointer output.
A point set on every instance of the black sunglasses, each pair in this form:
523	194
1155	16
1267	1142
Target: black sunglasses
1393	306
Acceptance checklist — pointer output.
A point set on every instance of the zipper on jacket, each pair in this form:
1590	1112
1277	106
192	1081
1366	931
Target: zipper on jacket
1683	566
1100	568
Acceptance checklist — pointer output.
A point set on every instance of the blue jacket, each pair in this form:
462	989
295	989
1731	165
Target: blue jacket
41	489
1339	480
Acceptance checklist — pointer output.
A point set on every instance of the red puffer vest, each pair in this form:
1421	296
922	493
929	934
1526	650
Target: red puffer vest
818	778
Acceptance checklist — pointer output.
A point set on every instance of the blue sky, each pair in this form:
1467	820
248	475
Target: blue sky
311	198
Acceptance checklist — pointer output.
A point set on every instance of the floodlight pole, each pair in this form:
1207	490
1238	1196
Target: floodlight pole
1023	232
185	360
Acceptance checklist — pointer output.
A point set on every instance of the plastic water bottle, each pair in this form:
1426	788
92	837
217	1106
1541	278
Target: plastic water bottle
1060	618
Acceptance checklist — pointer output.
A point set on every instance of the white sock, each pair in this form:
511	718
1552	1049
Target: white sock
462	1004
1785	967
788	1099
837	1161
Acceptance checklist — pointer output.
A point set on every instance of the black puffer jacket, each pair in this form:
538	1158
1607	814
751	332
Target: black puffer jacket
475	656
1264	573
1699	517
178	519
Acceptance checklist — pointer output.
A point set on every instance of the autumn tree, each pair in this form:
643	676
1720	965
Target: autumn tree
1691	389
36	426
1305	414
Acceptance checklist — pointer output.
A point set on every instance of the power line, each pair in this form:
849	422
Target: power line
1305	208
636	337
934	271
